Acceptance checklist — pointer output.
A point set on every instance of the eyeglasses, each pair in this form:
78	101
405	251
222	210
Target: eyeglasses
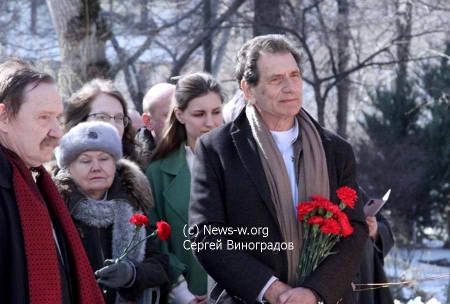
119	119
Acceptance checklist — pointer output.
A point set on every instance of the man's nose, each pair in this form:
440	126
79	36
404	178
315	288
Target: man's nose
55	130
289	84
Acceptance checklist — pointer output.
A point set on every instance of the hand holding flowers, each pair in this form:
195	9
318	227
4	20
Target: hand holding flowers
324	224
117	274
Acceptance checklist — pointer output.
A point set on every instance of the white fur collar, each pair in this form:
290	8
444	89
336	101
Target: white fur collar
102	214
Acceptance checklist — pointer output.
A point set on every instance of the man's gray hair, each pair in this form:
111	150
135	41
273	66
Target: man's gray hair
249	54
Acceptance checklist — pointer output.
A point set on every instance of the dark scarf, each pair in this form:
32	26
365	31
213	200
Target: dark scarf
42	261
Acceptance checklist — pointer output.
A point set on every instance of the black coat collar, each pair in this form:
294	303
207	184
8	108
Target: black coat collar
5	171
248	152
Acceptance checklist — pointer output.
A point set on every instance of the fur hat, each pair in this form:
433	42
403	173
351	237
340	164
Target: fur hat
88	136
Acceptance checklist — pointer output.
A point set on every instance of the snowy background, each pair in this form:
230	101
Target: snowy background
417	264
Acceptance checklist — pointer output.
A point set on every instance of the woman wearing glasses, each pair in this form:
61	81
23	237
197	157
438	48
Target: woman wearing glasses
100	100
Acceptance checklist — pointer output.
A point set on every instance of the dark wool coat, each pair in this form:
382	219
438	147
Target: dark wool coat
371	269
229	189
148	145
13	261
130	186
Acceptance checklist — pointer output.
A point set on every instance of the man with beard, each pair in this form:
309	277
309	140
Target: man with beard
41	256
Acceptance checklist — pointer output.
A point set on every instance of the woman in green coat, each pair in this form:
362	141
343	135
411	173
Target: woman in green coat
196	109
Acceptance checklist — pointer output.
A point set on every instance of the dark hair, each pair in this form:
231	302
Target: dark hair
15	75
78	107
188	87
249	54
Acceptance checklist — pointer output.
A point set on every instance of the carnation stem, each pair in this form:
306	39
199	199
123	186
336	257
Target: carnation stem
125	251
135	245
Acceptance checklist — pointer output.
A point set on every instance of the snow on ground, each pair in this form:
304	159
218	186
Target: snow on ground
404	265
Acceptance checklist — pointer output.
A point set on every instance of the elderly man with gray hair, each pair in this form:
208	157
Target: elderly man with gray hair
253	172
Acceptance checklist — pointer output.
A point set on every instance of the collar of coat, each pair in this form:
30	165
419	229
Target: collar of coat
175	160
129	184
241	122
6	171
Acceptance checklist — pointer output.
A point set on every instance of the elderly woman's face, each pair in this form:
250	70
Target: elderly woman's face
93	172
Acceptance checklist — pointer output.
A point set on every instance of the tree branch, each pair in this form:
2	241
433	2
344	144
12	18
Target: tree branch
204	35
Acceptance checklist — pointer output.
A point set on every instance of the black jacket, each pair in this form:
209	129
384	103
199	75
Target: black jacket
371	269
229	189
13	262
130	186
145	138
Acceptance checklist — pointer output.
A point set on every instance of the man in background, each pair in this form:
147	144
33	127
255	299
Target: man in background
156	107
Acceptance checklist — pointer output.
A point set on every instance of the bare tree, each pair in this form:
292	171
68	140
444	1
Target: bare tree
82	35
343	85
404	28
207	44
198	40
33	13
267	18
371	43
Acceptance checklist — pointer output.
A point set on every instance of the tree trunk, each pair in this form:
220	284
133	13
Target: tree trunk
267	19
4	31
343	86
198	41
320	105
34	5
144	12
141	72
220	53
207	45
82	35
404	25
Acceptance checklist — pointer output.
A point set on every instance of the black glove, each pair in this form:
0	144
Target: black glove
116	275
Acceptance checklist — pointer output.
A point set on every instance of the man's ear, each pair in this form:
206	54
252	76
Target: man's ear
146	118
3	118
248	91
179	115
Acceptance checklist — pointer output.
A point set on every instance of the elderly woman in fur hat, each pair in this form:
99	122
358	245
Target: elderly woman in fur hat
102	191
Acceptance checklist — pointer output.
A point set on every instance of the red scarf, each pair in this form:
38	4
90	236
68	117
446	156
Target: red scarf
43	271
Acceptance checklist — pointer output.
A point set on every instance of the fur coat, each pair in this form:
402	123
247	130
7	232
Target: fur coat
105	230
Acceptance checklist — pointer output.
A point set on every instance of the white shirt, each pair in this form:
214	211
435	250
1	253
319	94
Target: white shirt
189	158
285	142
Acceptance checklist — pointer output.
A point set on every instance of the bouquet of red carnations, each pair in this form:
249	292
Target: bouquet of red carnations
162	231
324	223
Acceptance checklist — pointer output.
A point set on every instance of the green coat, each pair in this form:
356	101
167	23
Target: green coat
170	180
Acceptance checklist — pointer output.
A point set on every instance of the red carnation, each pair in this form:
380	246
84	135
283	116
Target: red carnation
139	220
305	208
346	228
330	226
328	206
347	196
315	220
318	198
163	229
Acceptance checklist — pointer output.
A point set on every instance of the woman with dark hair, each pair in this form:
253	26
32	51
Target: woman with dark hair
196	109
100	100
